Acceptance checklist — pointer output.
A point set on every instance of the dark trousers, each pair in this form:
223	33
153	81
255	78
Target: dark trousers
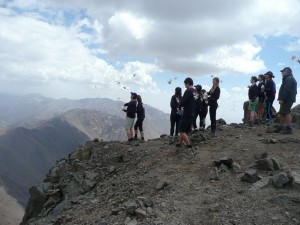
213	114
175	119
203	114
195	119
269	104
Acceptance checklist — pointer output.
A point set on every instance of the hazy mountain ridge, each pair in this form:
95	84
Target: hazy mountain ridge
26	154
35	142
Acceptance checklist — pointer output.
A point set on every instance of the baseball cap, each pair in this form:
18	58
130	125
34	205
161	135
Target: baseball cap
269	73
286	69
134	95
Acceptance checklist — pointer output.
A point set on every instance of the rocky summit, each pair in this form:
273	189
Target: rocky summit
243	175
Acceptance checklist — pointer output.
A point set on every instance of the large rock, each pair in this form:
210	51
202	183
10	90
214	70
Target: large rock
130	206
296	180
35	204
280	180
82	153
250	176
265	164
214	174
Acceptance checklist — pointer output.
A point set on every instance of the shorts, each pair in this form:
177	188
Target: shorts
285	108
139	124
129	123
252	107
185	124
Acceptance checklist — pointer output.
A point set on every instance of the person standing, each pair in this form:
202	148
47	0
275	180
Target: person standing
253	99
198	103
140	111
261	97
175	115
188	104
214	95
270	91
203	108
286	97
130	109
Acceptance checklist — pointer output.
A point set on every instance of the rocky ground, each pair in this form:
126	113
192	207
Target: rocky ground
242	176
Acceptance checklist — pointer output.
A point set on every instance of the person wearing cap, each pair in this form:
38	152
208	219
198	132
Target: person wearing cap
253	99
188	104
140	112
214	95
270	91
286	97
198	104
130	109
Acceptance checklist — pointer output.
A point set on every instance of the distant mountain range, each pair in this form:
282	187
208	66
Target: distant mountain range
37	131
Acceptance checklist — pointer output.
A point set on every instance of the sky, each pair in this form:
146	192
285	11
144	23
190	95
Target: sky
95	48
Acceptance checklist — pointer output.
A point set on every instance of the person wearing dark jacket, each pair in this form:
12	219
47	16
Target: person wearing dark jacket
175	115
140	111
261	96
203	108
253	99
188	104
214	95
130	109
286	97
270	92
198	104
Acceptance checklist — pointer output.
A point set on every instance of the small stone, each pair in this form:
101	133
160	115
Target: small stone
276	164
262	183
295	220
236	167
214	174
130	207
223	168
112	169
158	213
140	213
161	185
214	207
280	180
296	180
132	222
250	176
115	211
148	202
259	156
265	164
226	161
273	140
103	222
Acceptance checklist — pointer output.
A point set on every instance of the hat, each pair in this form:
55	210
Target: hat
286	69
134	95
269	73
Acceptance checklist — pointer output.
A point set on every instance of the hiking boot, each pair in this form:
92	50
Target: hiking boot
286	130
278	129
270	122
135	138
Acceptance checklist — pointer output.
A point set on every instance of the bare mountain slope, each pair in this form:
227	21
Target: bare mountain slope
157	183
27	154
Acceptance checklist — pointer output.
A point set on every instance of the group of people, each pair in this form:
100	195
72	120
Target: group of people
133	109
262	96
186	108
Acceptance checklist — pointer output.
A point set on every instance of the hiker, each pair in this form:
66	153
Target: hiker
198	103
213	96
188	104
140	111
203	108
175	114
270	91
286	97
261	97
130	109
253	99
